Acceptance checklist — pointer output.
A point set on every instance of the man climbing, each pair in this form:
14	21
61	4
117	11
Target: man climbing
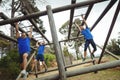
23	47
40	55
88	38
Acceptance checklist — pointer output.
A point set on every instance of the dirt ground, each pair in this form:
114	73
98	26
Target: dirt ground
109	74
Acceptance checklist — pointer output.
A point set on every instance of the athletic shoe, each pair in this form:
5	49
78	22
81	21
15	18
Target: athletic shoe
23	72
25	76
93	55
84	59
45	69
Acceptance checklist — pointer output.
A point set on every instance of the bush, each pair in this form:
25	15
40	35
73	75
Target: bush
49	58
9	66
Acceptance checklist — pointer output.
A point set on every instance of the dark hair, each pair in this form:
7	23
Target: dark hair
39	43
82	24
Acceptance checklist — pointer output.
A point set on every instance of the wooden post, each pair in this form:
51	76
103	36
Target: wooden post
55	10
63	57
12	28
56	44
110	31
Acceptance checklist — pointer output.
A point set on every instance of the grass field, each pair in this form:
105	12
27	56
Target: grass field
109	74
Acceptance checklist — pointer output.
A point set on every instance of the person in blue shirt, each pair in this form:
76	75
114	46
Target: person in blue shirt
23	47
88	38
40	55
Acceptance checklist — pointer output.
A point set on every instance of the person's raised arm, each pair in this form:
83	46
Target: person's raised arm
84	21
37	44
30	33
17	30
43	43
77	26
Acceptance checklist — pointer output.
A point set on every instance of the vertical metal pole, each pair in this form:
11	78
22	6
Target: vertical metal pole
110	30
56	44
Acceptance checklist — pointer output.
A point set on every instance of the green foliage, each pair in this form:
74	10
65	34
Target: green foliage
9	64
78	21
65	51
74	31
30	7
4	43
114	46
64	28
49	58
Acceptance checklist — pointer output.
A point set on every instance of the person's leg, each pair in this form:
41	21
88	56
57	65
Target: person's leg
21	61
45	66
85	54
25	55
40	65
32	64
85	48
94	46
43	62
36	62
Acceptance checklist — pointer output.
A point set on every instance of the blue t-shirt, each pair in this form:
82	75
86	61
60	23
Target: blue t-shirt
86	33
24	45
41	49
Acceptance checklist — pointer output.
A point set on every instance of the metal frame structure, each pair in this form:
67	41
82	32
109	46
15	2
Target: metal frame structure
62	73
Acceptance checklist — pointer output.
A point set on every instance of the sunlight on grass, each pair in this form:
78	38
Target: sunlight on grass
109	74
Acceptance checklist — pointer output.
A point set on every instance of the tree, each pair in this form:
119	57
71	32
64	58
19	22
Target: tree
19	8
29	6
74	31
4	44
66	53
9	65
114	45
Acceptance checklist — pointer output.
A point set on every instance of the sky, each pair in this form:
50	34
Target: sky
99	32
